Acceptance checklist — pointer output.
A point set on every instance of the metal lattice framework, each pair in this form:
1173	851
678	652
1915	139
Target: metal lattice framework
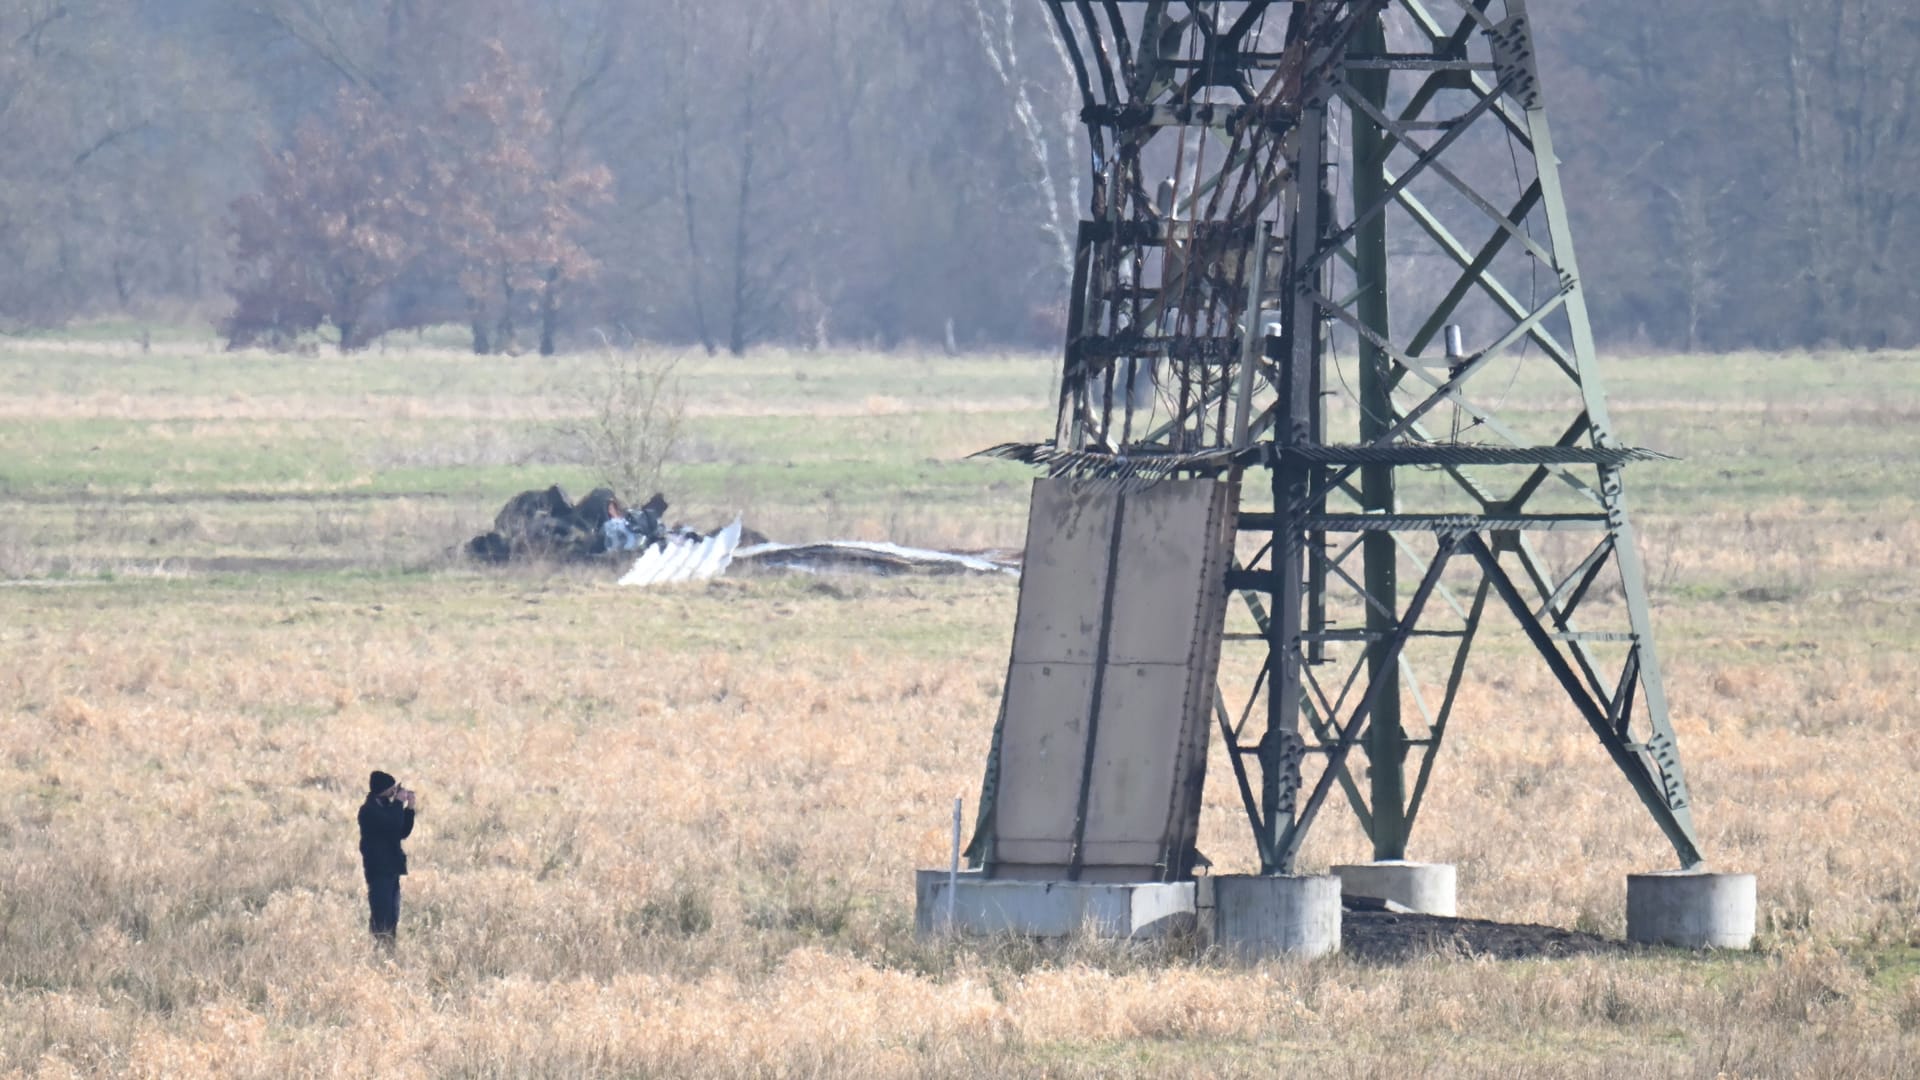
1251	162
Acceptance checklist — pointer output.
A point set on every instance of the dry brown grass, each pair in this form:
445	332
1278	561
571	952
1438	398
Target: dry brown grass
672	833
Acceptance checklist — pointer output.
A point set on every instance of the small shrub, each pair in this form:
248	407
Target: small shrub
631	421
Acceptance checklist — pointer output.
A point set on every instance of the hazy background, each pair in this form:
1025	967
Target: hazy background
814	172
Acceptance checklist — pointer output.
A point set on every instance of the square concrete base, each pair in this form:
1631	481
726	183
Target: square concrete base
983	907
1257	918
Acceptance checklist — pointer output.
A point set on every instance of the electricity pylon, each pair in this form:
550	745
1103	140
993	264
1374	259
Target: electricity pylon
1286	191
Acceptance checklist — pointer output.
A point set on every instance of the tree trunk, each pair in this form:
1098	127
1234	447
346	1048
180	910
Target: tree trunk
503	331
549	310
683	162
482	345
737	322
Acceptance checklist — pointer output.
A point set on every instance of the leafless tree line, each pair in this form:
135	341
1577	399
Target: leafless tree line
821	172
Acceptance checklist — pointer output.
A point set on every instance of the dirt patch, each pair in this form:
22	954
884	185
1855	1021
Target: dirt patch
1383	937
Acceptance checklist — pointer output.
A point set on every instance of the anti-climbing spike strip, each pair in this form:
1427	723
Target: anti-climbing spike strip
1237	307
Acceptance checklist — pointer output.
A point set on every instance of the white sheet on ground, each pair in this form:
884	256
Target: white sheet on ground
685	560
846	554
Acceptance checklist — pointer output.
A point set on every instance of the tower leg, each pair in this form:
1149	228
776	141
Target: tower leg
1386	737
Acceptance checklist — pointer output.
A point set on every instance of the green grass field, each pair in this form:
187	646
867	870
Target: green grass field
671	832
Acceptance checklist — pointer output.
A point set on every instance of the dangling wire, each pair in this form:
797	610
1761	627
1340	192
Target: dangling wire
1533	284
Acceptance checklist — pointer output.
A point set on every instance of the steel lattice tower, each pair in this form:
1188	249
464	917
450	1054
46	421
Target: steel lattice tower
1327	245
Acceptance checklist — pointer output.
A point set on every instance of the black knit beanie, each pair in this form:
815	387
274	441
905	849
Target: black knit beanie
379	782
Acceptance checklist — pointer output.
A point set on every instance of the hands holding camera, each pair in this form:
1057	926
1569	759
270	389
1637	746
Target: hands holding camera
402	796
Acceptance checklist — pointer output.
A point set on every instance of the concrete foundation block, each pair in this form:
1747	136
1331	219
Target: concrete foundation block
1425	888
1691	910
983	907
927	917
1257	918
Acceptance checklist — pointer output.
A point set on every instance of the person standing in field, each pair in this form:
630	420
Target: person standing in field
386	818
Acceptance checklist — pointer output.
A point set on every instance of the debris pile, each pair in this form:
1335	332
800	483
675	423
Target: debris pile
548	525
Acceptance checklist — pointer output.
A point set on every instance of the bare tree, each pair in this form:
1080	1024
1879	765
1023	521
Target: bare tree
632	419
678	76
1698	207
886	171
1853	94
999	42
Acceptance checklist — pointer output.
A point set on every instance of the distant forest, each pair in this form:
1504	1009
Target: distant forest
880	173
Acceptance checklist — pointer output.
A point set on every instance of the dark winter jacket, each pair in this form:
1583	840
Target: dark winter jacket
383	825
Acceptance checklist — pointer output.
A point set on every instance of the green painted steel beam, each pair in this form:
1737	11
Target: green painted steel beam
1386	735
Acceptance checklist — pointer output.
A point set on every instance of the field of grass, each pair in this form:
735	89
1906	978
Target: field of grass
673	832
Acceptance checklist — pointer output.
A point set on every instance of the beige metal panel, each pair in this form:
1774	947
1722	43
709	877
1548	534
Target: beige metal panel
1161	640
1042	751
1201	521
1063	582
1135	756
1164	588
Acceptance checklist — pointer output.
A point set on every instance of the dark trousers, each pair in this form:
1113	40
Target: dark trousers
383	904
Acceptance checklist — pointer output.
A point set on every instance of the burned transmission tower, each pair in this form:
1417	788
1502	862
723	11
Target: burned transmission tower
1326	274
